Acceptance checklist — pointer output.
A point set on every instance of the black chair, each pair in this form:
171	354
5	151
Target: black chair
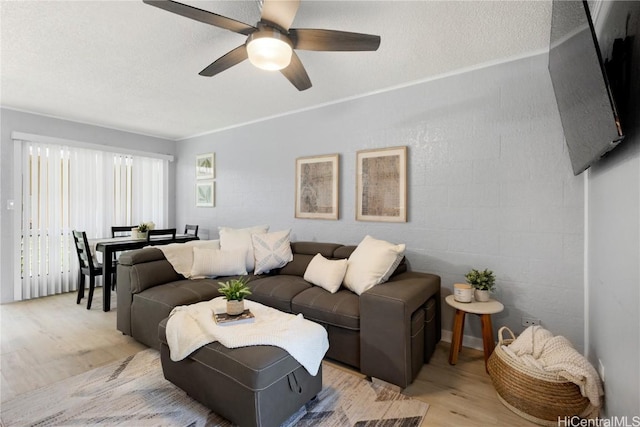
88	267
121	230
161	232
191	230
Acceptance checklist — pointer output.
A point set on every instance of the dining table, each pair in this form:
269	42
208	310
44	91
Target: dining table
108	246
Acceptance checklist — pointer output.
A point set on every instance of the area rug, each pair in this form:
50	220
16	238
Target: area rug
133	392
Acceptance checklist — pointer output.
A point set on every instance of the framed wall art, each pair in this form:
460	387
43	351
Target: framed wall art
205	166
381	185
317	187
205	194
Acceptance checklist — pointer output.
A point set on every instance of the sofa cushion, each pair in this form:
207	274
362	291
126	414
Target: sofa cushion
150	274
341	309
183	292
327	274
372	263
343	252
271	250
312	248
277	291
152	305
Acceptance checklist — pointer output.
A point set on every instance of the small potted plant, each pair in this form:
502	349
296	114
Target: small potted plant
483	282
234	291
140	232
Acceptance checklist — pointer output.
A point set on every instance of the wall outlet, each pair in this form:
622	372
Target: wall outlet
601	370
530	321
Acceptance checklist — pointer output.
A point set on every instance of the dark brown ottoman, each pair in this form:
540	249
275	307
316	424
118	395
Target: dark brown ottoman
250	386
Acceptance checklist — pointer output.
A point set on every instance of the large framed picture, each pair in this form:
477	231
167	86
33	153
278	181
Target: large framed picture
205	166
317	187
205	194
381	185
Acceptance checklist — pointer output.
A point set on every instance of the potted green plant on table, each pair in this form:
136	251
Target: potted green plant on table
234	291
140	232
483	282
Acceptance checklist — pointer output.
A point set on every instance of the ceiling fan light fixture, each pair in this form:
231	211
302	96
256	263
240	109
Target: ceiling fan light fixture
270	50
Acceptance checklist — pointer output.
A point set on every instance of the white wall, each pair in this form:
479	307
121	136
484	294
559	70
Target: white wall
489	184
11	121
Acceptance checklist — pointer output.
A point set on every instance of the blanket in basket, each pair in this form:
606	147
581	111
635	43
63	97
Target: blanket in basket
537	348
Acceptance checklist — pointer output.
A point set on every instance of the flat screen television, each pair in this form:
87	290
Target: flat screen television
593	90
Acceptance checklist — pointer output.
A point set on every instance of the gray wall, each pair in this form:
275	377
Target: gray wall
614	246
614	275
490	184
30	123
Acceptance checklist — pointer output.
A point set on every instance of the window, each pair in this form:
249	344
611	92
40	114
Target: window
67	188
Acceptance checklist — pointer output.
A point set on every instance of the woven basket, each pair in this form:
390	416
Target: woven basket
540	397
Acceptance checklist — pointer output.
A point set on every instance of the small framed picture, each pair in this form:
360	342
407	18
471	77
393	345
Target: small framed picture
317	187
205	194
205	166
381	185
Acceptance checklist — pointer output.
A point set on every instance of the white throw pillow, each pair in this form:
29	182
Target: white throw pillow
326	273
271	250
215	262
180	255
240	239
372	263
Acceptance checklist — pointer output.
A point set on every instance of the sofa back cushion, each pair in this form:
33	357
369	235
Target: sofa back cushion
303	253
146	268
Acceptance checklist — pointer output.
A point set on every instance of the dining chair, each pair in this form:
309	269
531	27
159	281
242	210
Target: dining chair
88	266
121	230
161	232
191	230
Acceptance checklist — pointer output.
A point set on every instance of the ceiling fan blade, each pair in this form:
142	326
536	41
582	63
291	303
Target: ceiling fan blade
296	73
309	39
230	59
203	16
280	12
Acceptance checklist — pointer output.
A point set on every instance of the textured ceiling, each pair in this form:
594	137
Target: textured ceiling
130	66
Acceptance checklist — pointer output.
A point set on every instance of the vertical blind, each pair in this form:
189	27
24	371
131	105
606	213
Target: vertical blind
69	188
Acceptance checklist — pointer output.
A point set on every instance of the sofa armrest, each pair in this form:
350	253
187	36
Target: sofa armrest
138	270
385	324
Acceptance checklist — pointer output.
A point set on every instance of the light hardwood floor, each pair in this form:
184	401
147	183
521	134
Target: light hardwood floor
49	339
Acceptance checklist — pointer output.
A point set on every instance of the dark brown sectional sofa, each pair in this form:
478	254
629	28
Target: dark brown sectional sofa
388	332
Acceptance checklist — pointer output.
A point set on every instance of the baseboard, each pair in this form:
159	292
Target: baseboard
467	340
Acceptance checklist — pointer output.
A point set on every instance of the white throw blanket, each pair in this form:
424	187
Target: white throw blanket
537	348
192	326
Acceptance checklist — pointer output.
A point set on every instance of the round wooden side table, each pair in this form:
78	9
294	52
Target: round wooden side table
482	309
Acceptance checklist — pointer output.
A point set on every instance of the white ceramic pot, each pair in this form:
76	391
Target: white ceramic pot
481	295
235	307
462	292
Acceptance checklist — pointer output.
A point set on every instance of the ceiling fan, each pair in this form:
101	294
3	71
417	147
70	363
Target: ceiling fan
270	43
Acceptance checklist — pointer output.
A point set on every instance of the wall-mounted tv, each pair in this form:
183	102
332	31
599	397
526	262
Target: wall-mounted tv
592	90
